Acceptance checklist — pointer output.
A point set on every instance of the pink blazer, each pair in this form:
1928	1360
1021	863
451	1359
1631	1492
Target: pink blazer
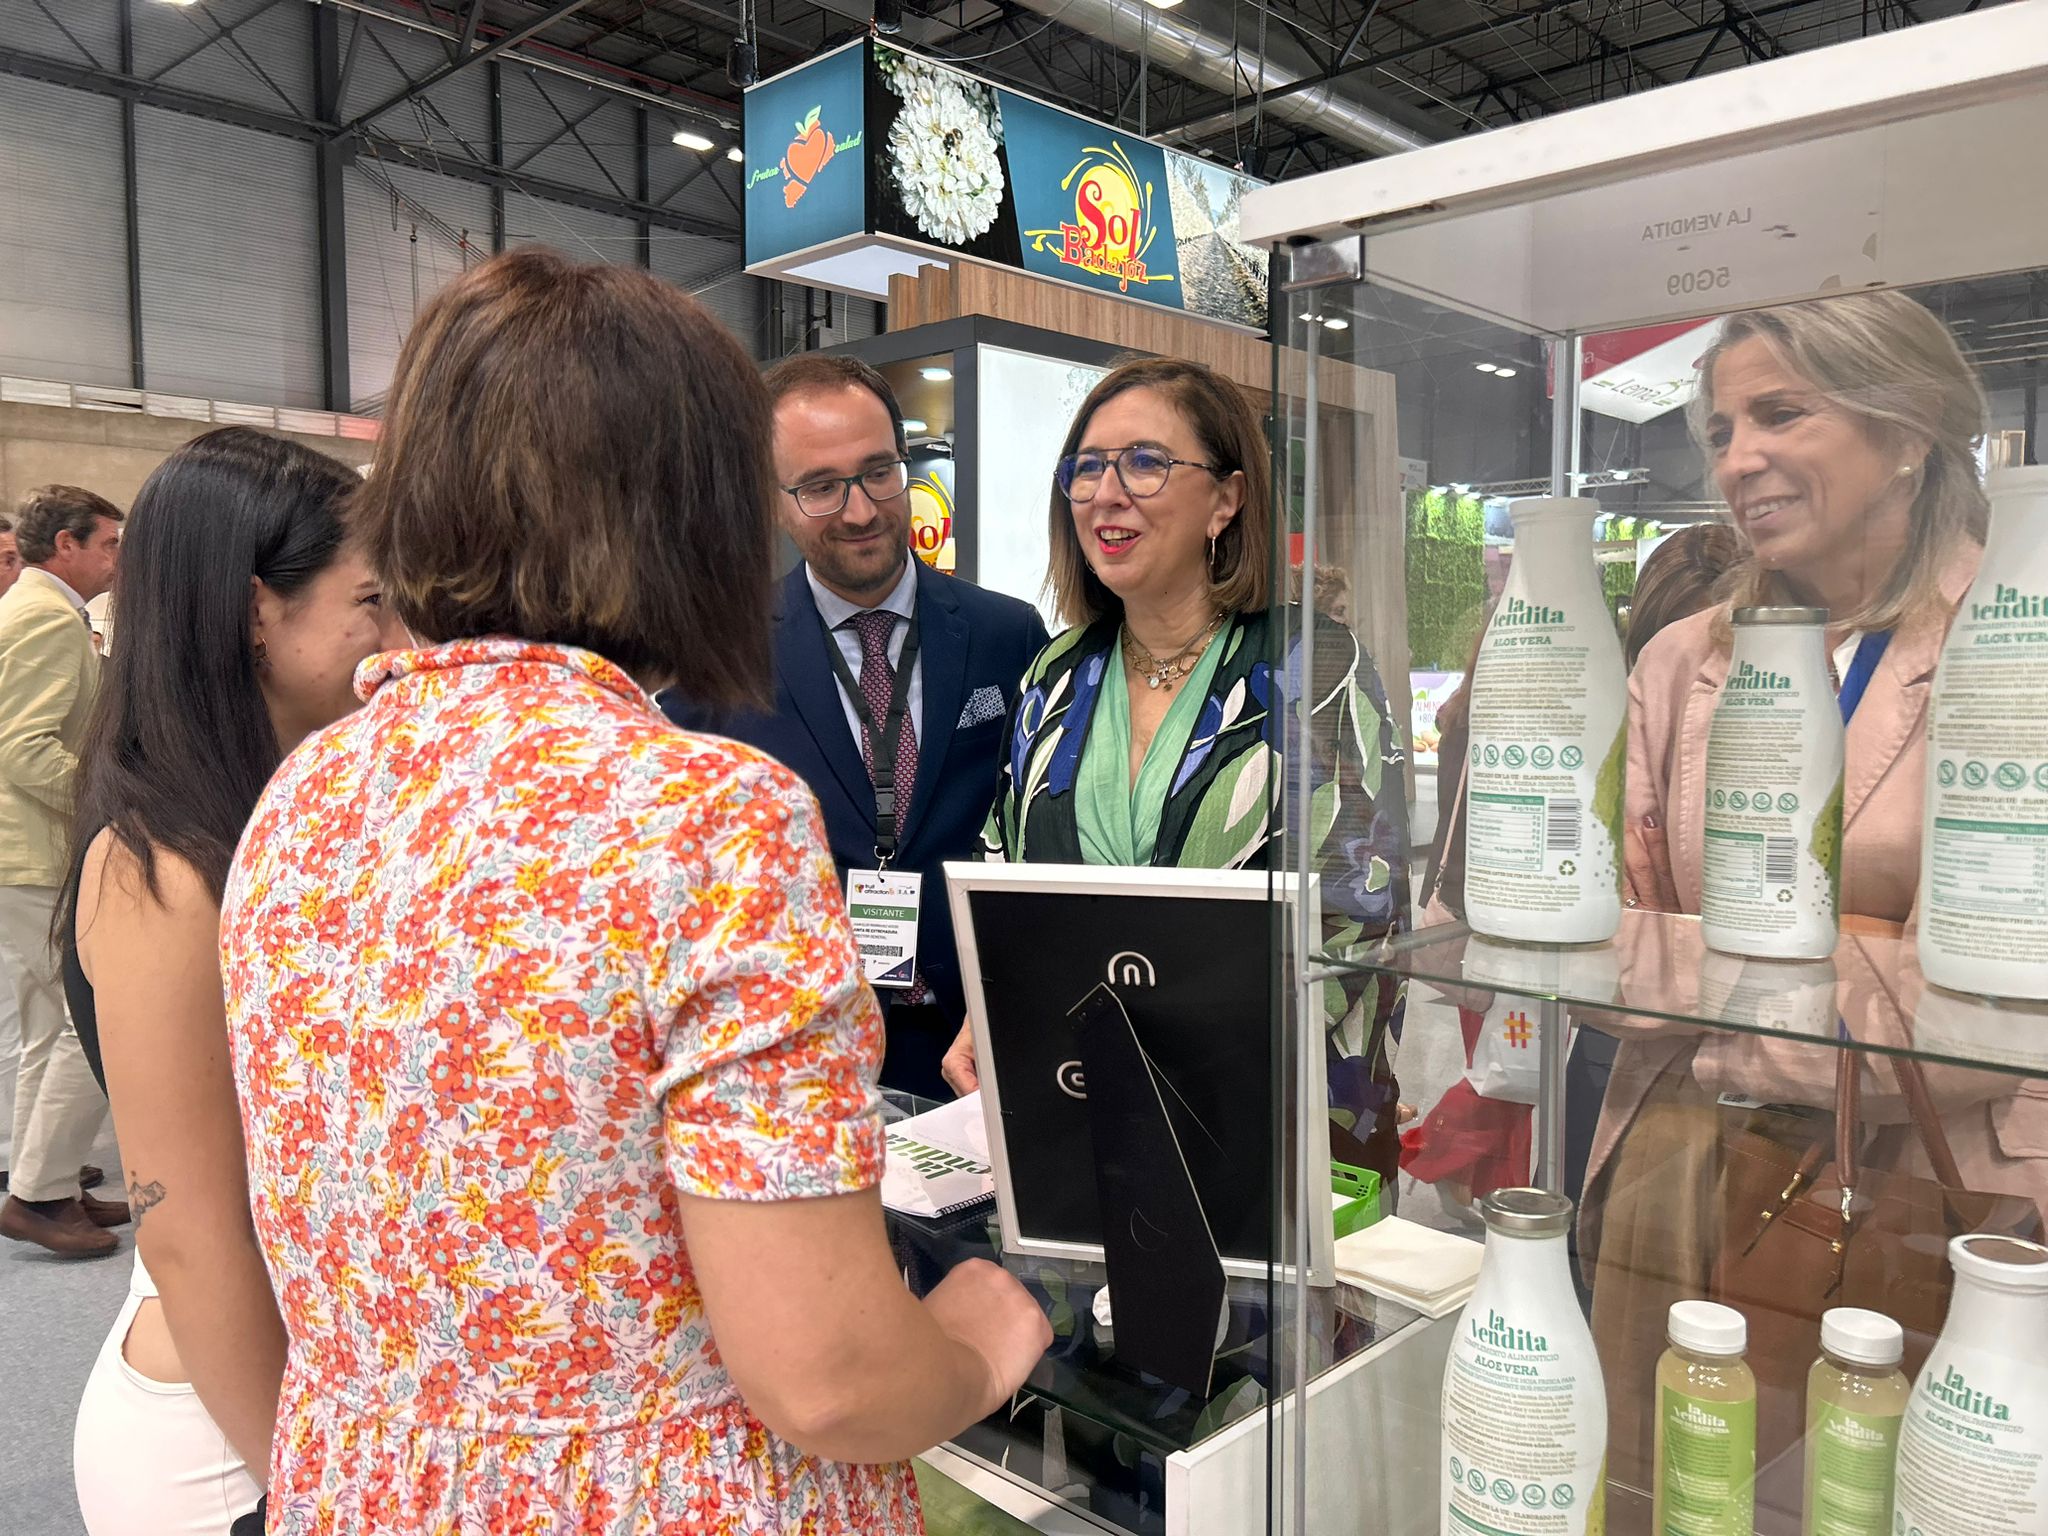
1999	1130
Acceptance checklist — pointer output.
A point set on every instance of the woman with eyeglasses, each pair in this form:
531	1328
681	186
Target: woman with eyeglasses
1151	731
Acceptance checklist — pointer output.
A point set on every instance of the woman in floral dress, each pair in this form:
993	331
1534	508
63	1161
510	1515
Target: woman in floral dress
555	1062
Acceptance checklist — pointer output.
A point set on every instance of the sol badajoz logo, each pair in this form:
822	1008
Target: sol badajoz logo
1112	228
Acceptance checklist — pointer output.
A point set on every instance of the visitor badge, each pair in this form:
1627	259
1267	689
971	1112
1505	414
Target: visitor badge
883	906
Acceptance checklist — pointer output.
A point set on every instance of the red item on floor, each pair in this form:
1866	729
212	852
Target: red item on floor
1469	1140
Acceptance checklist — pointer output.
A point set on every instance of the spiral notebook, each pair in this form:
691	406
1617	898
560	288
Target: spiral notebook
938	1161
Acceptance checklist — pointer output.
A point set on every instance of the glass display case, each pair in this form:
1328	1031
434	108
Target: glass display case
1715	624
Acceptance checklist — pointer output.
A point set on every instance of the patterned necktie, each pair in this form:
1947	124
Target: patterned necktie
877	678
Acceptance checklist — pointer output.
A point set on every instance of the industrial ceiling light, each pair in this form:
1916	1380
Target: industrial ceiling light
888	15
1487	367
179	3
736	155
1162	5
1503	373
936	375
688	140
913	424
1336	323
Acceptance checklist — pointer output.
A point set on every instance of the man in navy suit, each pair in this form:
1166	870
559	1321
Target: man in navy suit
850	716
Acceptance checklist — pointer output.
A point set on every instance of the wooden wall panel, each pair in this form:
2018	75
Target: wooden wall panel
1361	522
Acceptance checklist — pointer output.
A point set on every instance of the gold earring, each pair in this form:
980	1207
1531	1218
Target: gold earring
1907	469
260	651
1212	557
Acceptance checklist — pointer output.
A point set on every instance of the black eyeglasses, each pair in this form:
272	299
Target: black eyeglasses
826	496
1142	470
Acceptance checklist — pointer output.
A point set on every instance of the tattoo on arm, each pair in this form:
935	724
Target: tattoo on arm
143	1198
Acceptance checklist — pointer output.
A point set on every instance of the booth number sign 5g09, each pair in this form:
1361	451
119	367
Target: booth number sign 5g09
1704	280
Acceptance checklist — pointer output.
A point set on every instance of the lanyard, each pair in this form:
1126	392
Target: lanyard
1869	650
882	738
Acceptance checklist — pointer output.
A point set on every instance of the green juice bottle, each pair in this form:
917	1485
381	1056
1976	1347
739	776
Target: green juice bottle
1706	1425
1856	1399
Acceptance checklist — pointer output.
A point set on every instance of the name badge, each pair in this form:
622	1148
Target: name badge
883	906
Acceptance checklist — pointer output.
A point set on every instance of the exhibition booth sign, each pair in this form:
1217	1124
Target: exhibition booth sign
870	161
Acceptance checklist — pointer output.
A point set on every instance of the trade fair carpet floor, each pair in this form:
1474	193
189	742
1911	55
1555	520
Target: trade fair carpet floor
54	1315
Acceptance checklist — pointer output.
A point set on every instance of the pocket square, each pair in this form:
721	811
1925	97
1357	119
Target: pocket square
982	704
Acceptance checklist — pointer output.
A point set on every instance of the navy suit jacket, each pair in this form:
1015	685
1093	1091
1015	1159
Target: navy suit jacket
970	640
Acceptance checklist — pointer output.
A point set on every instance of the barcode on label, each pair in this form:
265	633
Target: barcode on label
1781	860
1561	834
883	951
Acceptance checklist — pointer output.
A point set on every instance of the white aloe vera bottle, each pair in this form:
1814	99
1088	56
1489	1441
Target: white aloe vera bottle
1771	878
1524	1406
1984	850
1549	737
1973	1452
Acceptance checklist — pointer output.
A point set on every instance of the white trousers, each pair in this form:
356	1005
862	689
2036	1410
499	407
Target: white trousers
58	1108
170	1472
10	1061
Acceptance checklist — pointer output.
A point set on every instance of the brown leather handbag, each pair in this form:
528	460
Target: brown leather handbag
1805	1228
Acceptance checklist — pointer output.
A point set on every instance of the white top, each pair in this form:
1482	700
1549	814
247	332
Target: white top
1707	1328
836	610
1844	656
1867	1338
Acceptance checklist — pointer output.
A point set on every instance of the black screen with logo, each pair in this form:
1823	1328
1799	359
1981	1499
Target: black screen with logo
1195	978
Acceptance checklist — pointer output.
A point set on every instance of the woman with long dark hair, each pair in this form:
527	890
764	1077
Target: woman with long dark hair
244	613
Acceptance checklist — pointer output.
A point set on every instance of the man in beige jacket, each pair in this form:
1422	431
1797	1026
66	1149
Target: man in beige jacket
68	539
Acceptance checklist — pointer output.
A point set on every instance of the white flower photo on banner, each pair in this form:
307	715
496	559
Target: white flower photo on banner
944	150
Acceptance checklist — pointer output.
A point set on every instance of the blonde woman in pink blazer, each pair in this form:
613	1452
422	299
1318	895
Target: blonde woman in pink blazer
1841	433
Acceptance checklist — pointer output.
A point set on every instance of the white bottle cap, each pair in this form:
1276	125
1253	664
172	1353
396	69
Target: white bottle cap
1707	1328
1867	1338
2003	1263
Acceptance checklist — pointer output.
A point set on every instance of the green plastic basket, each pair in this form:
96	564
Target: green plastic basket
1358	1197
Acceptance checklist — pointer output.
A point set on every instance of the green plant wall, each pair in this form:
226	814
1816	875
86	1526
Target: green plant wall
1446	579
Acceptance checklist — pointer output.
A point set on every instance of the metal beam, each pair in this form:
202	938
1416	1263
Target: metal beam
643	232
468	41
1706	53
329	158
534	151
495	74
348	65
219	37
576	133
490	50
1343	55
125	87
1425	44
689	102
1755	13
130	202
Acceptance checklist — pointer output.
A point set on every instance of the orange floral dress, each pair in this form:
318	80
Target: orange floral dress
510	961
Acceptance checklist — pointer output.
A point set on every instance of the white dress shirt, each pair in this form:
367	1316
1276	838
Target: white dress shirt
64	587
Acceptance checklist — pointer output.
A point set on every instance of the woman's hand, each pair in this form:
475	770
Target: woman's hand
984	1307
957	1065
827	1345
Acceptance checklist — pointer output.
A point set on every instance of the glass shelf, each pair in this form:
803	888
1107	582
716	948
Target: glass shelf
1657	977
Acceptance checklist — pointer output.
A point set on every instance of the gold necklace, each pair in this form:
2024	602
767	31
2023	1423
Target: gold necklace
1168	673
